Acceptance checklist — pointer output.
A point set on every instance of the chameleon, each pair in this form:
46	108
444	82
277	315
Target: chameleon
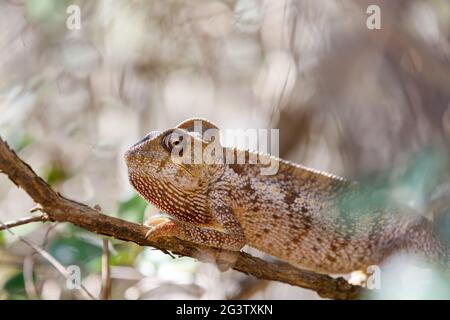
310	219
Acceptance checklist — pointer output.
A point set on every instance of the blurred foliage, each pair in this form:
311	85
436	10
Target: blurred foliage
132	209
443	225
124	257
21	141
15	287
51	13
412	184
75	251
423	173
54	174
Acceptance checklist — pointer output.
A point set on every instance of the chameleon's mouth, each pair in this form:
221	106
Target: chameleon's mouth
135	154
133	160
131	154
130	157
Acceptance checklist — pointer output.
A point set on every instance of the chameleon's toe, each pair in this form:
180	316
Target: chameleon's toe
154	221
149	232
161	227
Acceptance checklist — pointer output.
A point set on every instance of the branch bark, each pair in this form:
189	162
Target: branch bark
58	208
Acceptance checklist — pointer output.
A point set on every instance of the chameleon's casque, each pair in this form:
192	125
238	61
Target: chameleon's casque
312	220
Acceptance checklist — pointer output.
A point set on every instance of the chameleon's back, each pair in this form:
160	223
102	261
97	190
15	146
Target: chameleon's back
322	222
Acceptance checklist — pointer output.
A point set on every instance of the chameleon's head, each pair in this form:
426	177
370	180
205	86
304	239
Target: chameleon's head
173	169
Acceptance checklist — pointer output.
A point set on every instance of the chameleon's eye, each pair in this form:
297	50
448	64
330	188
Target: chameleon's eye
172	140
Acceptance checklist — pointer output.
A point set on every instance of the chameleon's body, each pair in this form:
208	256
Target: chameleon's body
306	218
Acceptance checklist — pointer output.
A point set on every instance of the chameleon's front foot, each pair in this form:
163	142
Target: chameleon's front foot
165	227
162	227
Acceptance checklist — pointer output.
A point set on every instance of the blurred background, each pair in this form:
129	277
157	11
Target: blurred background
370	105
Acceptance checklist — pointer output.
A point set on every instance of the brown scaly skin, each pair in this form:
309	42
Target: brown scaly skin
309	219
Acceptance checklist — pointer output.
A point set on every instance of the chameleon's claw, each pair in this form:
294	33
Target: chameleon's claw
161	227
147	235
152	223
157	220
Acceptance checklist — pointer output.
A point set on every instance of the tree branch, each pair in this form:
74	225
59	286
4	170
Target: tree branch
59	208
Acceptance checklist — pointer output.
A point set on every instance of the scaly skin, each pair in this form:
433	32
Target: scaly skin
312	220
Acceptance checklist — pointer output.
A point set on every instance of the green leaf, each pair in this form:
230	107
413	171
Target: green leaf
74	251
15	287
46	11
54	174
20	141
132	209
443	225
122	258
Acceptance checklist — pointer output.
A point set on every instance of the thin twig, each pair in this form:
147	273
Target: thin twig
55	263
22	221
28	268
106	272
